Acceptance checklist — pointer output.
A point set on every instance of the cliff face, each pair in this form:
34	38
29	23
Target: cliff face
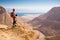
4	17
22	31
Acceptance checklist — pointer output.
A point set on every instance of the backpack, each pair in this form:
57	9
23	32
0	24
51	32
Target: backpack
12	15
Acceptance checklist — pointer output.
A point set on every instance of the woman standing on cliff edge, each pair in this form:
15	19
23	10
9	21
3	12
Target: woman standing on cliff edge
13	16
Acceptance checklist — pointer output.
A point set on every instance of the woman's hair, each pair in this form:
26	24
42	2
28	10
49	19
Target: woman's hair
13	9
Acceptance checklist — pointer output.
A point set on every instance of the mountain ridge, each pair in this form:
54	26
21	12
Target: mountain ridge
49	23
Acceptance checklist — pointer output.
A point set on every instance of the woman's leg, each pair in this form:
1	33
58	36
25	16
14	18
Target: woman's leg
14	21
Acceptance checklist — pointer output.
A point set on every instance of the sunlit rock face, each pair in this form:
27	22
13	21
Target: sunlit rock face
20	33
4	17
2	14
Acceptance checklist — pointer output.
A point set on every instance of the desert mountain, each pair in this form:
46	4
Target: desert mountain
49	23
53	14
22	31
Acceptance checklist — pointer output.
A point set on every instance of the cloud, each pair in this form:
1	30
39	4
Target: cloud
31	9
34	9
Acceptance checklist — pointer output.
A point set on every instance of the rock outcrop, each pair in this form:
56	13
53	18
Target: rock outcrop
20	33
4	17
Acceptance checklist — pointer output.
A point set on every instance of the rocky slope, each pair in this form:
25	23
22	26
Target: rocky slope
49	23
20	33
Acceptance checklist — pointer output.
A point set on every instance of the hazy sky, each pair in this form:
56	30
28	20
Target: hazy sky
30	5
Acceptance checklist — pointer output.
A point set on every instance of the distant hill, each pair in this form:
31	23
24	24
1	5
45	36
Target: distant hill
49	23
53	14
